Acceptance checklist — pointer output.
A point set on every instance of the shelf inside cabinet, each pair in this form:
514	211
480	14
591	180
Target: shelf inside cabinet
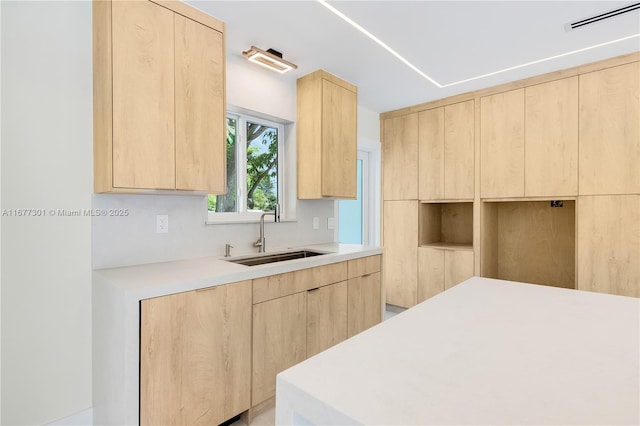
529	241
447	225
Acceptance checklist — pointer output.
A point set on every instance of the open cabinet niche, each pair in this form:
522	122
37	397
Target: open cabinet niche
446	225
529	241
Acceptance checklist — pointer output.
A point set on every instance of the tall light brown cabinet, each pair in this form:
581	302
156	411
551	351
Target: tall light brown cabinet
535	181
159	98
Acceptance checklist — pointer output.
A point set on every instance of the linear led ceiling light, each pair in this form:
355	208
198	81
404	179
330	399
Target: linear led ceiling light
441	86
270	58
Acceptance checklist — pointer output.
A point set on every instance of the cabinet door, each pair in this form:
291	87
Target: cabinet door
459	148
326	317
400	241
551	139
194	356
609	244
610	131
279	341
431	150
458	267
364	303
200	108
430	272
143	96
339	150
502	145
400	158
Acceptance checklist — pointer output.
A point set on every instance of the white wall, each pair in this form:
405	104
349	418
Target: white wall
46	164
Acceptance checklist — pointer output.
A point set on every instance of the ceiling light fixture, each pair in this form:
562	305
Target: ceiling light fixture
270	58
441	86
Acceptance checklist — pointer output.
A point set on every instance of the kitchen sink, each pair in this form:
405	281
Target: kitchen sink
275	257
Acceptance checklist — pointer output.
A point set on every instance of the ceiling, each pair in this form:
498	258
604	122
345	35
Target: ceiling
447	40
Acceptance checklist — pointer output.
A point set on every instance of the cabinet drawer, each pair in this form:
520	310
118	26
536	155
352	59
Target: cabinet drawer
280	285
364	266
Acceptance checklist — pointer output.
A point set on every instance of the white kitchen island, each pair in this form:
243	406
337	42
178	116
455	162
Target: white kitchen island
484	352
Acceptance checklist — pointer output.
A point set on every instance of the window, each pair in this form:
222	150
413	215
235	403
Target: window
254	169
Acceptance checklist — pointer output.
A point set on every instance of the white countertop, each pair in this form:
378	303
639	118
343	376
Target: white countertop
484	352
156	279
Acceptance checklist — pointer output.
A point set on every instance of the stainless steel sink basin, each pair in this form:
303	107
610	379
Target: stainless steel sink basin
275	257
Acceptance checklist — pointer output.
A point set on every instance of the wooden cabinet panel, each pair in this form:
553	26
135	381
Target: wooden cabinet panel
441	269
326	317
400	241
502	145
363	266
364	303
195	356
400	158
326	136
279	341
274	286
459	163
159	98
430	272
551	139
431	162
339	149
143	95
458	267
609	244
610	131
200	107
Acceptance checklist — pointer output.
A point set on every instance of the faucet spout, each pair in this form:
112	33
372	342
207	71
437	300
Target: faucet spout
260	243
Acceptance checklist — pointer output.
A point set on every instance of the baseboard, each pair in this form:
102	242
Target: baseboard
83	418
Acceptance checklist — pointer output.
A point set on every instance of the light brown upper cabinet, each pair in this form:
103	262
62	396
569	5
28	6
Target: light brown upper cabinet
502	145
195	356
529	141
326	136
446	149
610	131
159	98
551	139
400	158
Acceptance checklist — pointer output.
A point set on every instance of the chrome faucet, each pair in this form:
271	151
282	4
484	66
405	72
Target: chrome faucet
260	243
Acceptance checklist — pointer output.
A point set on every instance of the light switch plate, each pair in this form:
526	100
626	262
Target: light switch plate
162	224
316	222
331	223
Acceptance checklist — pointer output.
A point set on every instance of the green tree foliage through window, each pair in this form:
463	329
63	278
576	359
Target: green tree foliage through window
259	150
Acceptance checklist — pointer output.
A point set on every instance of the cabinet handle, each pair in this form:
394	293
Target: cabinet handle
207	288
313	289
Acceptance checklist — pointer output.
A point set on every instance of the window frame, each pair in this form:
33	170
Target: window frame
243	215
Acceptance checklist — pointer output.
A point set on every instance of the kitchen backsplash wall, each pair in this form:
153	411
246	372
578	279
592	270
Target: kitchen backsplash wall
132	239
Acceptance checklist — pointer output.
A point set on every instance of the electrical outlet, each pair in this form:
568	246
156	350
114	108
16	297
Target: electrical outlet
331	223
316	223
162	224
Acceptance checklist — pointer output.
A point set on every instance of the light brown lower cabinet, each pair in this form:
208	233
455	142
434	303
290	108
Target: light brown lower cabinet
441	269
364	294
308	311
279	341
609	244
195	356
326	317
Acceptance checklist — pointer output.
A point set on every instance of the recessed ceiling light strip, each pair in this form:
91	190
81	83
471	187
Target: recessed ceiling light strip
573	52
377	40
441	86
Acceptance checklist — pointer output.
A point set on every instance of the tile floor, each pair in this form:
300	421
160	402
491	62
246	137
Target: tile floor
268	417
